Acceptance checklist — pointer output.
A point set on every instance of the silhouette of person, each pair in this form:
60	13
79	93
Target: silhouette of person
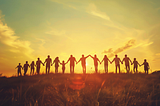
96	60
126	60
146	66
83	63
32	68
48	62
19	69
38	65
25	67
56	61
63	66
117	60
105	59
72	63
135	65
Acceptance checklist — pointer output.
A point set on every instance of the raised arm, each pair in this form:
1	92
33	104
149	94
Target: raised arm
91	56
87	56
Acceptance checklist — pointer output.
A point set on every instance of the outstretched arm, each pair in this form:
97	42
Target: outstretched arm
109	61
130	60
68	61
138	64
78	61
113	60
75	60
121	61
102	61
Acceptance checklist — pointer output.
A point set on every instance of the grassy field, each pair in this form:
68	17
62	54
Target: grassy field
81	90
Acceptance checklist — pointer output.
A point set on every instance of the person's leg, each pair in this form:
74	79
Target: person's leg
128	68
33	71
73	68
18	72
119	68
84	69
107	68
48	69
70	69
55	69
96	68
136	69
147	70
38	70
116	69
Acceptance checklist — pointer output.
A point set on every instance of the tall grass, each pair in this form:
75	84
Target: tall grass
99	90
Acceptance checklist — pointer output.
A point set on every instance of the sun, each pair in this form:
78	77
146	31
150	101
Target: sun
86	63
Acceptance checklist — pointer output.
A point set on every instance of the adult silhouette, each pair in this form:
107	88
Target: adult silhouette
63	66
48	62
146	66
135	65
32	68
56	61
25	67
38	65
96	60
105	59
19	69
72	63
117	62
83	63
127	60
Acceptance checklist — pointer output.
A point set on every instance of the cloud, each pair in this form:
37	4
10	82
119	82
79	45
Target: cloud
128	45
92	9
56	32
64	2
7	37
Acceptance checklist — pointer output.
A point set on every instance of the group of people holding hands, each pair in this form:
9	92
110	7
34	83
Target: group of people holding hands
72	61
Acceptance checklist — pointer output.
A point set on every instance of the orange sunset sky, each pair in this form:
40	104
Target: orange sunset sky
36	28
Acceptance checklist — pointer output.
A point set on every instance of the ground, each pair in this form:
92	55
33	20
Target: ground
81	90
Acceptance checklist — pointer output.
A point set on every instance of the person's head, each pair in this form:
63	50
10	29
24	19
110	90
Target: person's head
105	56
19	63
145	60
38	58
63	61
95	55
57	58
115	55
125	55
134	59
71	56
26	61
48	56
32	61
82	55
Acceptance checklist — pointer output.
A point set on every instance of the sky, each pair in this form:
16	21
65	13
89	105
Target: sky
37	28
